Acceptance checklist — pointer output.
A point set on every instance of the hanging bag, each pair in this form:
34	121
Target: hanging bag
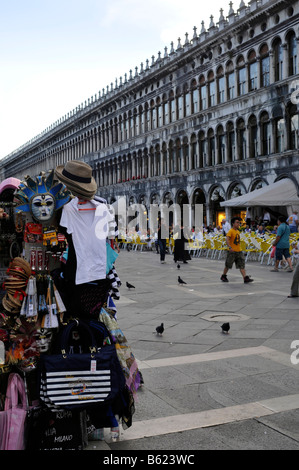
12	419
272	254
80	381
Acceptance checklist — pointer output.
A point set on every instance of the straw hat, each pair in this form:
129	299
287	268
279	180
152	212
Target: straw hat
77	177
9	306
21	263
15	300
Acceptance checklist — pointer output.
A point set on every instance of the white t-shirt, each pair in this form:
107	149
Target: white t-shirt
89	230
292	220
226	227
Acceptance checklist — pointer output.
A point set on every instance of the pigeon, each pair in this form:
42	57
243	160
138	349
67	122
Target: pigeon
225	328
180	281
129	286
160	329
178	266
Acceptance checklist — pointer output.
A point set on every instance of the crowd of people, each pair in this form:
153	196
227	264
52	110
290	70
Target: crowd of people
284	251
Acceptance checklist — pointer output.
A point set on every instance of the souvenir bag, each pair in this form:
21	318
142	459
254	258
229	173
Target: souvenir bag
56	430
80	381
12	419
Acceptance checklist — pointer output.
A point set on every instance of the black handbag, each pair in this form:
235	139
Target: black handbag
56	430
80	381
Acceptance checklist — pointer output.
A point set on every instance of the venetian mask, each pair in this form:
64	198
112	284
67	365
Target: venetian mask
43	339
41	196
43	206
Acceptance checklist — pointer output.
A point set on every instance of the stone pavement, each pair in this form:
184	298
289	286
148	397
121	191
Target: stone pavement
204	389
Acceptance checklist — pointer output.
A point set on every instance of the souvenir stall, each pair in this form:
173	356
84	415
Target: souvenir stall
10	236
67	373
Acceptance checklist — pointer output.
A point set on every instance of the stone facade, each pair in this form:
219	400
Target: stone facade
213	118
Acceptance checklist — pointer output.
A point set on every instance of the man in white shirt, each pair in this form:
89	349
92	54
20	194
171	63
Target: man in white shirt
225	226
293	222
266	217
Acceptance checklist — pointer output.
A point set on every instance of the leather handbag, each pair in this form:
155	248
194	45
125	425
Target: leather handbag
80	380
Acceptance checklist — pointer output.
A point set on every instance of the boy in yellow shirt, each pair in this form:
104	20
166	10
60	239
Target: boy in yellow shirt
235	255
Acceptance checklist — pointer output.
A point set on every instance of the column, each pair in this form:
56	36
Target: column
297	65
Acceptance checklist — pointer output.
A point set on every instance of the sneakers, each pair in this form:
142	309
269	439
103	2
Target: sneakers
289	270
246	279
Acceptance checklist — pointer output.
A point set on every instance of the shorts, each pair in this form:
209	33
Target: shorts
236	257
280	252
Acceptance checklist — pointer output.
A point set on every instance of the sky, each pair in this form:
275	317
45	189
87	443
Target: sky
56	54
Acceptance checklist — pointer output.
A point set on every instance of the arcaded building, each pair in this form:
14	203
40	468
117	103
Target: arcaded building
212	117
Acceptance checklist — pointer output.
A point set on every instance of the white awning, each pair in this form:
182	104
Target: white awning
281	193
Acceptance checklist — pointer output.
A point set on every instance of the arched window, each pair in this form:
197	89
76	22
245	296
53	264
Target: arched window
159	113
126	127
130	124
153	115
203	93
141	120
185	154
178	155
195	98
230	73
221	85
265	65
292	53
157	156
211	147
231	142
278	59
241	139
165	110
164	169
193	144
221	145
202	150
278	130
265	134
252	65
180	105
136	122
115	132
147	118
187	101
212	89
172	107
241	76
253	144
171	157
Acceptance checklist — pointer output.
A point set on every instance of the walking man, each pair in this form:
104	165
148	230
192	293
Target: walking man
235	255
282	243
